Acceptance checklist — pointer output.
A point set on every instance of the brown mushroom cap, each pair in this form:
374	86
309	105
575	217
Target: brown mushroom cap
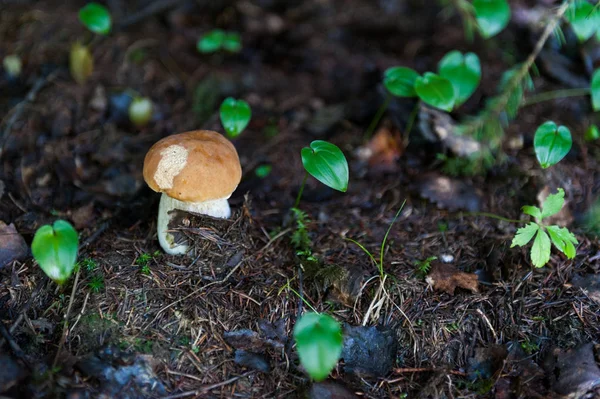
195	166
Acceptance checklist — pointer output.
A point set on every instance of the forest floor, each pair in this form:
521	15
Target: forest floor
219	323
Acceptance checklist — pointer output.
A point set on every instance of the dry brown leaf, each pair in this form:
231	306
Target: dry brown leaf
445	277
12	244
383	151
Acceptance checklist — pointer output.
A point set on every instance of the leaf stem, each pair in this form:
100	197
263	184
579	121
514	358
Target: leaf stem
554	94
301	190
377	117
65	332
411	120
519	75
301	297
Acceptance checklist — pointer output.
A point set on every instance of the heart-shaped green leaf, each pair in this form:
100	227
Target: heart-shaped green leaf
235	116
326	163
595	89
463	71
96	18
583	19
492	16
400	81
55	250
435	91
319	343
211	41
551	143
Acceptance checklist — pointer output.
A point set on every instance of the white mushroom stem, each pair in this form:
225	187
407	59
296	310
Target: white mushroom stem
218	208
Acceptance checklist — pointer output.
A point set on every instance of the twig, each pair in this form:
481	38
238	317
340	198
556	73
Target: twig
206	388
63	338
520	74
13	345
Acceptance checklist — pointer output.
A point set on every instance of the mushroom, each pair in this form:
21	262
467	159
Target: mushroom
196	172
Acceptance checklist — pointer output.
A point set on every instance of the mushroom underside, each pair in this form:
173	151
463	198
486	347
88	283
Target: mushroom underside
218	208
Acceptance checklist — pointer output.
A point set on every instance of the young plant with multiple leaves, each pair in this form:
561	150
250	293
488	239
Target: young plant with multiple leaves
458	77
561	237
551	143
217	40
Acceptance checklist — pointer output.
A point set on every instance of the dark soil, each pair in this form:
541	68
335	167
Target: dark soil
310	70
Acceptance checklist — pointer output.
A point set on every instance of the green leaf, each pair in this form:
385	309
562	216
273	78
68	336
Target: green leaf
563	239
583	19
235	116
232	42
326	163
319	343
55	250
492	16
263	171
595	89
211	41
525	234
463	71
96	18
553	203
540	251
400	81
532	211
551	144
592	133
435	91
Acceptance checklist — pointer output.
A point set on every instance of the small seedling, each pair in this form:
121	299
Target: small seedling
140	111
422	267
592	133
235	116
55	249
143	261
300	239
96	284
263	171
551	143
561	237
326	163
88	264
218	39
96	18
319	343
